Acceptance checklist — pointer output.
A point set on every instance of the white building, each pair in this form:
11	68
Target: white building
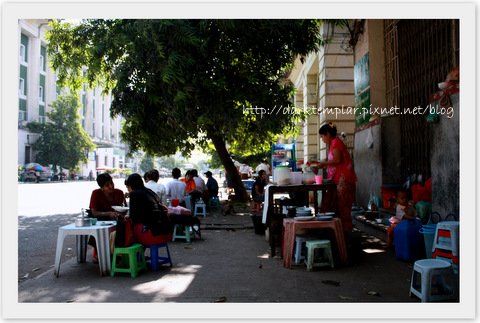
37	90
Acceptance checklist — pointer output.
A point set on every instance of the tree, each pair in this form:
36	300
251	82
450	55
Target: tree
186	83
62	142
146	163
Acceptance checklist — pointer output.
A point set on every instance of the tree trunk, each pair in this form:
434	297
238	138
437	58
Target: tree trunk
240	192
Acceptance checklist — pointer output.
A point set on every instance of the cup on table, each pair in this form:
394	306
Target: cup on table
93	221
318	179
175	202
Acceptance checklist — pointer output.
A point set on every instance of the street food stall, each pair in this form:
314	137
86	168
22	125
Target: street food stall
282	228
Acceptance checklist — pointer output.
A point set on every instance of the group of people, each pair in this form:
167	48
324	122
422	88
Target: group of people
339	169
148	202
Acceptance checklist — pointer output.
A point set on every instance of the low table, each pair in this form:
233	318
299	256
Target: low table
291	226
100	231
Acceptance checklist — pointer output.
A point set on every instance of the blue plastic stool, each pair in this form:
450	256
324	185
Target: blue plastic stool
155	259
214	202
200	209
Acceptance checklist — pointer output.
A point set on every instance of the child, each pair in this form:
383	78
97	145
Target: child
403	210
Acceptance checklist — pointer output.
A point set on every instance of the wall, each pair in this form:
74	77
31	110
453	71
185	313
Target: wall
367	162
367	154
445	159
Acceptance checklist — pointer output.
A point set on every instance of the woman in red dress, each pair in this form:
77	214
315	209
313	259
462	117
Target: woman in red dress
340	170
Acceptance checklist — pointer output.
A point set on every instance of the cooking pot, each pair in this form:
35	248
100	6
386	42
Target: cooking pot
82	220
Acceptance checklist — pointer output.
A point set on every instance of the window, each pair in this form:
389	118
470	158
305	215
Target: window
23	54
41	94
42	64
21	88
43	55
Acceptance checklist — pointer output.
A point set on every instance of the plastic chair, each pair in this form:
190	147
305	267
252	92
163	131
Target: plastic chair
434	280
155	259
132	260
326	260
200	209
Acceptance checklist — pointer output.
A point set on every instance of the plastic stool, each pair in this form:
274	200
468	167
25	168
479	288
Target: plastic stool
214	202
202	207
447	237
155	259
445	243
433	280
181	231
327	259
134	262
299	248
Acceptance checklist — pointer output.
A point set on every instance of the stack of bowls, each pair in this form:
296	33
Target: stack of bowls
304	211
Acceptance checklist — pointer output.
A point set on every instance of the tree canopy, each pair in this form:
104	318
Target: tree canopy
186	83
63	142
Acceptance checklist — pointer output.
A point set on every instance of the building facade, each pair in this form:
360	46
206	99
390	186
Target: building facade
38	89
325	87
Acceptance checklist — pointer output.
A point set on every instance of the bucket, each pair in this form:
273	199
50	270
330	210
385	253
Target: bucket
428	231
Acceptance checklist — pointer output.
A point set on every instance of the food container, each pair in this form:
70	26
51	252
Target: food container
308	177
281	175
296	178
81	221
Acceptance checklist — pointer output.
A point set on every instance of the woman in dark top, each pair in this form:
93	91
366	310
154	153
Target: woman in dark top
258	190
143	203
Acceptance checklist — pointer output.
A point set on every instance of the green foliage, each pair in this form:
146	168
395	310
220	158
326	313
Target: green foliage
62	142
182	84
146	163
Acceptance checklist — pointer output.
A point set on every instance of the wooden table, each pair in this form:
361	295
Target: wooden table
291	226
273	220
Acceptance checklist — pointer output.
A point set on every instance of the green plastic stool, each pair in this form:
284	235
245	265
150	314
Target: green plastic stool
326	260
181	231
132	260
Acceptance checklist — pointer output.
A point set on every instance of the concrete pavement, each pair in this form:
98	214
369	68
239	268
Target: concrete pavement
230	264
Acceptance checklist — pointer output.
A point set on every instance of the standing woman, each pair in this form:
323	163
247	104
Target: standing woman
340	170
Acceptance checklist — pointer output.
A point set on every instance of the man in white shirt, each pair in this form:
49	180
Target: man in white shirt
245	171
151	178
176	189
264	166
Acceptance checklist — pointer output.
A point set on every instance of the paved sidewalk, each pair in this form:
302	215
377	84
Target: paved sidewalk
230	264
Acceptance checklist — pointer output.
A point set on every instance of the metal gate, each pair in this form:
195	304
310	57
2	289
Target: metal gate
419	53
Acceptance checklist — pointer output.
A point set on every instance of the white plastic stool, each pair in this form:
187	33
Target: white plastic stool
445	243
326	260
434	280
202	207
447	236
